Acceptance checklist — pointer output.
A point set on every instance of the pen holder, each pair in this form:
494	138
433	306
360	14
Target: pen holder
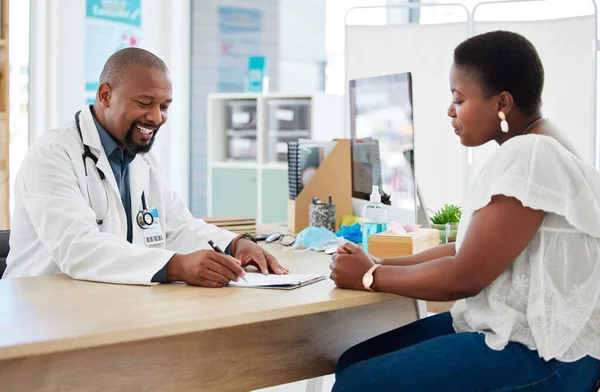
322	215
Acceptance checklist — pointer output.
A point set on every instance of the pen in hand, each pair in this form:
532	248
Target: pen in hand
217	249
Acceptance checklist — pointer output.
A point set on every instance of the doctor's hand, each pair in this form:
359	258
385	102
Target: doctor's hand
349	265
248	253
205	268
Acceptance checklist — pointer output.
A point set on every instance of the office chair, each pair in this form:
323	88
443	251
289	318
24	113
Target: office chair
4	248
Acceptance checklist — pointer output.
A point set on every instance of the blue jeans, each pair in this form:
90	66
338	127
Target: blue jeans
428	355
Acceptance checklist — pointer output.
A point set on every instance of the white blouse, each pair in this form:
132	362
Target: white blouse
549	298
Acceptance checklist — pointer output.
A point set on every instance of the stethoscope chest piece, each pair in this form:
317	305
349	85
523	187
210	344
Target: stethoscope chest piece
145	219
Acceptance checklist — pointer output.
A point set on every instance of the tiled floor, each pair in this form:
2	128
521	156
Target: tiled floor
300	386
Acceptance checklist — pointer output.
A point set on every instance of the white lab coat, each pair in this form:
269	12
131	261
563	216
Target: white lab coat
54	228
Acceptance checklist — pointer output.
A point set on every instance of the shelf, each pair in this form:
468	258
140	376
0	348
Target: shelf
241	164
249	165
274	166
295	101
235	96
242	133
294	133
263	125
288	96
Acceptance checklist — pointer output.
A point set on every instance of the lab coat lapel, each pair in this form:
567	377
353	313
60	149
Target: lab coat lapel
139	178
91	138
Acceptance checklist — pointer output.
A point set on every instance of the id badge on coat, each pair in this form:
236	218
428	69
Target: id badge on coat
153	235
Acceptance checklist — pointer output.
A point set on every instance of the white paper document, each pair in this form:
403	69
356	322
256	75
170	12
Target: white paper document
284	282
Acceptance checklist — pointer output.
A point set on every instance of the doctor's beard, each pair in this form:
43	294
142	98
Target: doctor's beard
134	147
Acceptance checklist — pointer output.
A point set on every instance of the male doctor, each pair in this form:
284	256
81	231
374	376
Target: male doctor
90	200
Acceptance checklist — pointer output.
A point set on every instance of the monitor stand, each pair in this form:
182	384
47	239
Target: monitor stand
422	217
401	215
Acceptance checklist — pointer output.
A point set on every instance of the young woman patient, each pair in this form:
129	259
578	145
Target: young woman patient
525	267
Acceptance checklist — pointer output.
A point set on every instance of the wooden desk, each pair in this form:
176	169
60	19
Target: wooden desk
58	334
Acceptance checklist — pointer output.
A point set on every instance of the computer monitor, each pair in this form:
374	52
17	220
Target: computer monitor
381	108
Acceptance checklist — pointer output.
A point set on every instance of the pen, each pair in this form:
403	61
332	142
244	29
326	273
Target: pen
217	249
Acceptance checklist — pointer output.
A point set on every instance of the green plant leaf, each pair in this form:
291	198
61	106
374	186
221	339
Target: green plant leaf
450	213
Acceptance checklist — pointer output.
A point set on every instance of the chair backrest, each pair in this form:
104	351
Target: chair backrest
4	248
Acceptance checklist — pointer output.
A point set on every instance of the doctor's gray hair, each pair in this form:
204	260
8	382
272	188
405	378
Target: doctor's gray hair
119	62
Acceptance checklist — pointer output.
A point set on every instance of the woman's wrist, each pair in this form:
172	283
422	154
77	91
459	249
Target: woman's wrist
377	275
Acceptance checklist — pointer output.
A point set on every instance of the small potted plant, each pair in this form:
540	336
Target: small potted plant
446	221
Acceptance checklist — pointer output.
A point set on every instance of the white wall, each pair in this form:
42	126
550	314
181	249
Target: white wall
566	49
57	69
57	42
301	46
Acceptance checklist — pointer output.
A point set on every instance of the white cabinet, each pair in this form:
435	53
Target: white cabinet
247	143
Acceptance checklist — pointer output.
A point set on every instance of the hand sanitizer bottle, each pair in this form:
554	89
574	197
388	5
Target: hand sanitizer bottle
374	215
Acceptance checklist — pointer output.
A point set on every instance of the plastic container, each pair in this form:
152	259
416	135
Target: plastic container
289	120
375	217
241	130
241	114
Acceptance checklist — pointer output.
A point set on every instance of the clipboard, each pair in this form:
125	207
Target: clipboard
279	282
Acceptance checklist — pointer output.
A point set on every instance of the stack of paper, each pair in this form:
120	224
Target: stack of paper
234	224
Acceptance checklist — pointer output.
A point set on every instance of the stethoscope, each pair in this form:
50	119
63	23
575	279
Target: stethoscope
144	218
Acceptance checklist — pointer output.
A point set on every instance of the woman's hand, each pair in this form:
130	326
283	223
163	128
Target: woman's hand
349	265
376	260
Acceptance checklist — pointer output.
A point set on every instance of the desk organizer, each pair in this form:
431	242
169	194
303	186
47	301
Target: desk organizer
332	178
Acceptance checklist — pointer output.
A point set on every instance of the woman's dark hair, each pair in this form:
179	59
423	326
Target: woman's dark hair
504	61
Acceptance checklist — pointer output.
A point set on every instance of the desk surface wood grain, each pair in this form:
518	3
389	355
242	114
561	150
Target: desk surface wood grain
55	314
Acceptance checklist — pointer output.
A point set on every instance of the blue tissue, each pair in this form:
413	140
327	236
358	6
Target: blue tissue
352	233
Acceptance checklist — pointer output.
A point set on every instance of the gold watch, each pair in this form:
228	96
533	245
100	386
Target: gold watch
367	279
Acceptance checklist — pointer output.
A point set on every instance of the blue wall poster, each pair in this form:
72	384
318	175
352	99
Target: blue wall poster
240	37
256	75
110	25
